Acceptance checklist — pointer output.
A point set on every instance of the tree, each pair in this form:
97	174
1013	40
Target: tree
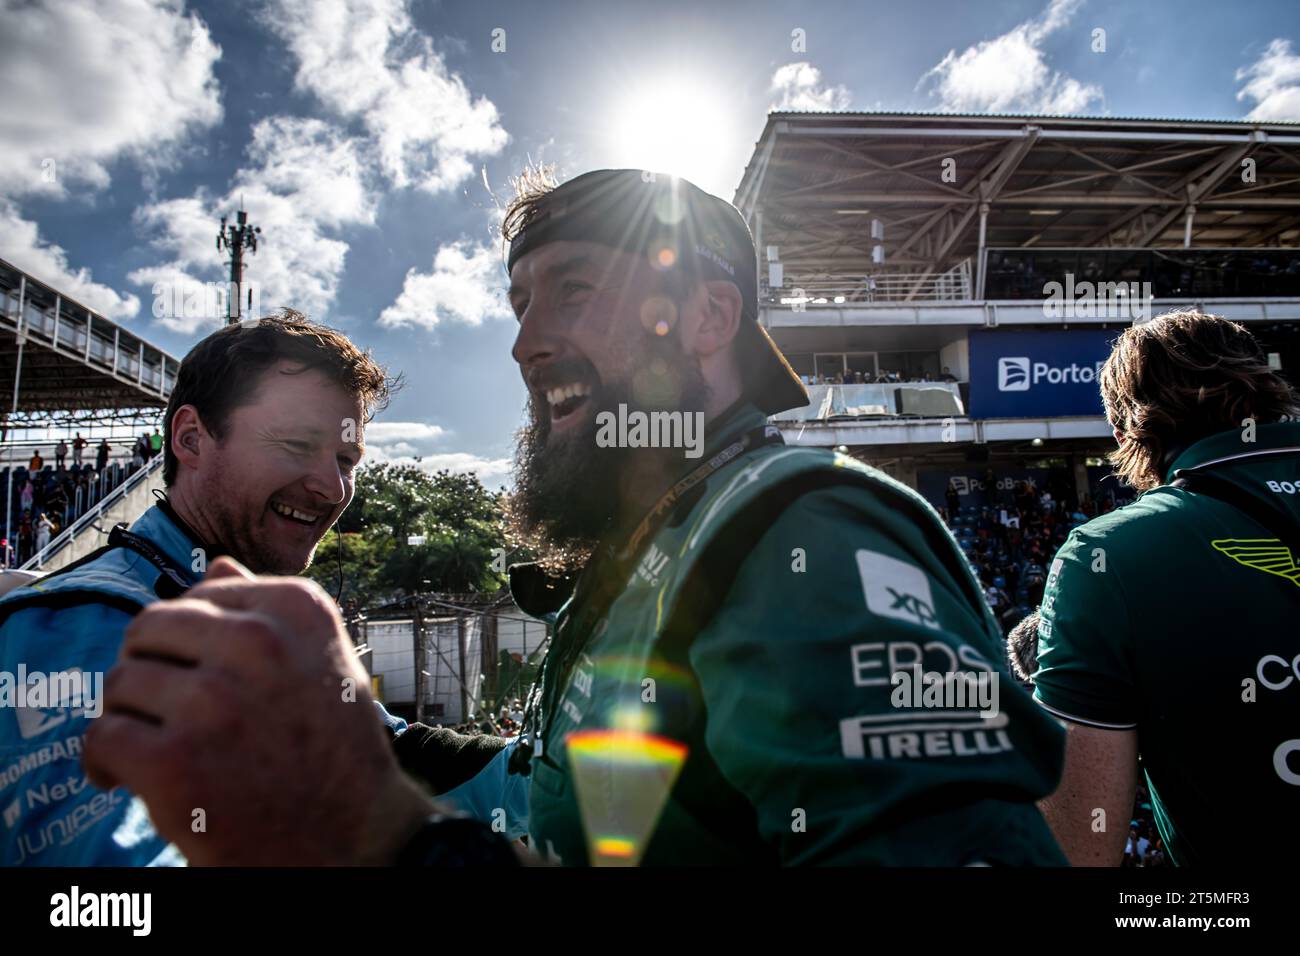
459	520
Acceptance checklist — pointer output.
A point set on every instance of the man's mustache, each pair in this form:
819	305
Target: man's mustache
564	372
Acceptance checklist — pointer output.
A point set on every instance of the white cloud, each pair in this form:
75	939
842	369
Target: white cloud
308	181
21	245
1010	73
1273	82
464	286
365	61
798	86
379	433
86	83
414	443
304	182
493	472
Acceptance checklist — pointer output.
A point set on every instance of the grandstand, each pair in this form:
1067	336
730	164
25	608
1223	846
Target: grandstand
65	369
895	246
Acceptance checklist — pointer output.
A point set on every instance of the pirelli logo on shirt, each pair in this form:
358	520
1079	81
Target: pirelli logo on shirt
900	591
924	735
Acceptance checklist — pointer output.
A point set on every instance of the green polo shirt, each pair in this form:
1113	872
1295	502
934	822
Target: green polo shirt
771	730
1178	616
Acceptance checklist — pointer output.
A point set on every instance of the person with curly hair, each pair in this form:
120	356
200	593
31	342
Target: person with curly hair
1168	627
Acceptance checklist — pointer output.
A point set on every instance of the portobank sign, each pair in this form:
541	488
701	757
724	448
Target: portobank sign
1019	374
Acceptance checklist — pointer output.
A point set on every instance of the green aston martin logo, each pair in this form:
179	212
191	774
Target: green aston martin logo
1263	554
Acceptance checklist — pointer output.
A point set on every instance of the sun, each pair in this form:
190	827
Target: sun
674	126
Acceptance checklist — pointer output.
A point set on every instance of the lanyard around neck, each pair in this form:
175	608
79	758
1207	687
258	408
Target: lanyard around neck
655	517
616	577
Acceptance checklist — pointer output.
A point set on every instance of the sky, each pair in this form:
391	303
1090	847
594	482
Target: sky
373	141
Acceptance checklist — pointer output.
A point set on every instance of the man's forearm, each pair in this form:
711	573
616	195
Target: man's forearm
442	758
1089	812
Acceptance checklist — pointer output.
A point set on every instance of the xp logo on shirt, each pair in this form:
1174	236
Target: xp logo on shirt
896	589
1013	374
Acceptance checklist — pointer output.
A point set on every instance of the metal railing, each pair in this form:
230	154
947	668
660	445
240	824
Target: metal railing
90	517
881	400
1188	273
954	285
71	328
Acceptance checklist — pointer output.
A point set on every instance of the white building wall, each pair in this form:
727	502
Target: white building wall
393	646
956	357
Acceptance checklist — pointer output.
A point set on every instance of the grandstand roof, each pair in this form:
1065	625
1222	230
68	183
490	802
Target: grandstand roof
77	366
816	180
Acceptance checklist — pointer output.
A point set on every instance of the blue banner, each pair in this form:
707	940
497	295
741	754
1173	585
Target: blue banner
974	489
1037	374
973	486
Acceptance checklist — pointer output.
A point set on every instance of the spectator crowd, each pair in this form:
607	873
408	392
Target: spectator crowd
1010	544
1010	539
46	499
508	722
852	377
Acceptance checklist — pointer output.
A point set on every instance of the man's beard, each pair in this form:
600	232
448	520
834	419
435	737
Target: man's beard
237	538
228	520
567	490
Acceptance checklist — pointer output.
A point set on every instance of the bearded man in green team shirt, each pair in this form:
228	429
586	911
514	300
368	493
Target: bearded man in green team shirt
744	651
1170	629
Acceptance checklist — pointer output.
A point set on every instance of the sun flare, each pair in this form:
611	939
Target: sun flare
672	126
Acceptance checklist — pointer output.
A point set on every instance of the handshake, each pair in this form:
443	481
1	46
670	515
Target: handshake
241	716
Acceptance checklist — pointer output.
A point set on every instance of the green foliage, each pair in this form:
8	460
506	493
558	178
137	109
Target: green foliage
459	519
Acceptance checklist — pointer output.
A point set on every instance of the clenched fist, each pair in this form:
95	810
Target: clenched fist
241	716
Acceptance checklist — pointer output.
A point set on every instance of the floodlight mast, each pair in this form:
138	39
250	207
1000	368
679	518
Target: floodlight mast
236	238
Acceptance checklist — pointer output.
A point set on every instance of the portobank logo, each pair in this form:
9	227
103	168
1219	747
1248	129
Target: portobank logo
1013	374
1018	374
